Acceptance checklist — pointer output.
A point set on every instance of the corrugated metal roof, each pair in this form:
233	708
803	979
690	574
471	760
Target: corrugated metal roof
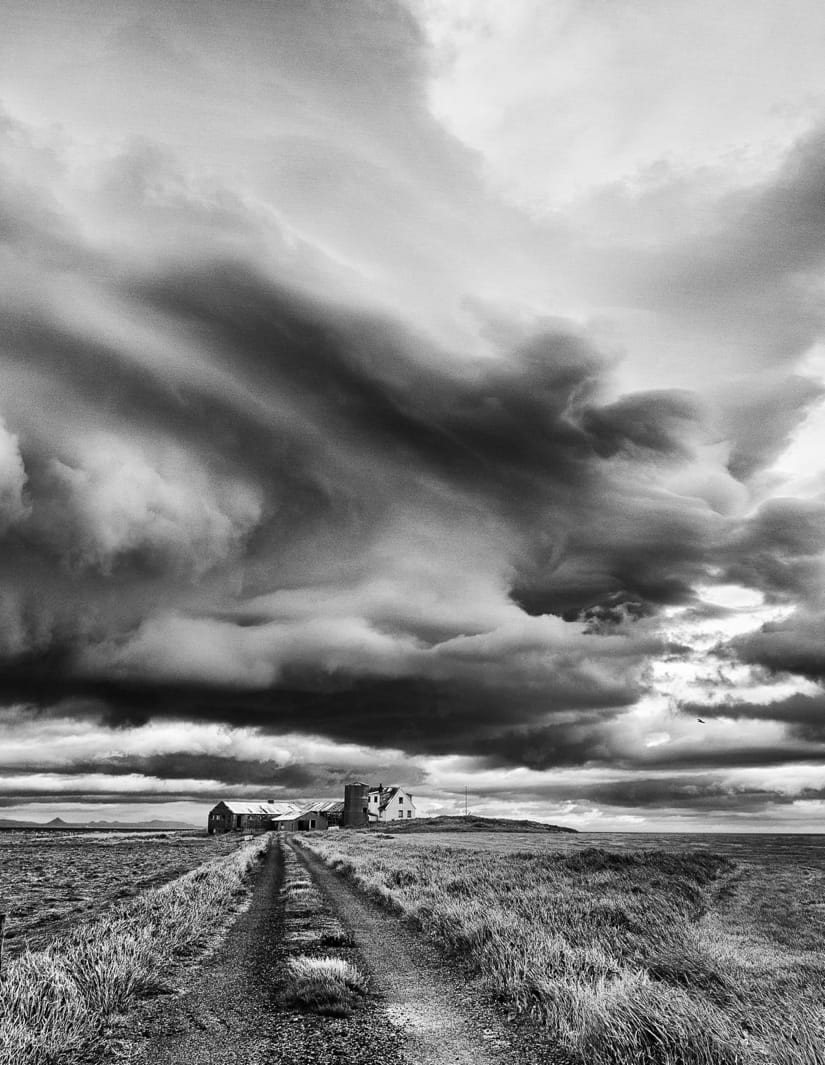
284	808
273	809
324	806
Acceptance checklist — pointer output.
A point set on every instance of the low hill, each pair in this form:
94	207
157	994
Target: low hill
468	823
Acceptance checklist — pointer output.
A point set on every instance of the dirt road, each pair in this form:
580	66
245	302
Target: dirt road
445	1019
230	1011
232	1008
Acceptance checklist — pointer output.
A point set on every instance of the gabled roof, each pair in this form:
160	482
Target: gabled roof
387	795
324	806
272	809
285	808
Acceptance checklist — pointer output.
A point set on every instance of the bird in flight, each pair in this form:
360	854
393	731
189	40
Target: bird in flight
701	720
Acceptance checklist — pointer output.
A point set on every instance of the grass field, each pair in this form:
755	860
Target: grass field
50	880
55	1002
664	955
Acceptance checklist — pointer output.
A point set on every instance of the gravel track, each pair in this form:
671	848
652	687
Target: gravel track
446	1018
232	1007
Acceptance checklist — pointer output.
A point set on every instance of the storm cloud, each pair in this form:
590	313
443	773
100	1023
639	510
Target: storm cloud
311	433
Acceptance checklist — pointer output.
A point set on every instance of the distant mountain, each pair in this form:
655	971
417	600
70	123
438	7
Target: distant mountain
100	826
154	824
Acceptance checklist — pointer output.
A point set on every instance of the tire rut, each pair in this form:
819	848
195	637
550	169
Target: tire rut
444	1018
232	1009
222	1016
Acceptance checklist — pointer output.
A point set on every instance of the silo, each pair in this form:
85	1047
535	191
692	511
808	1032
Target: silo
356	801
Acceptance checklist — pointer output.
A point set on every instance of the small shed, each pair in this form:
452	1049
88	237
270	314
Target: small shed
330	809
306	821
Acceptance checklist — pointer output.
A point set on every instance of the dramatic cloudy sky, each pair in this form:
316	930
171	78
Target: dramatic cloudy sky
425	391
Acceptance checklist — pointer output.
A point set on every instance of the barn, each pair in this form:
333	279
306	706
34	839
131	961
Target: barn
265	816
255	816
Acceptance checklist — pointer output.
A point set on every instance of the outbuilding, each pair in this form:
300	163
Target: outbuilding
306	821
332	810
271	816
257	816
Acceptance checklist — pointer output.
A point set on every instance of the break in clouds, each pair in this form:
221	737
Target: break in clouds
335	443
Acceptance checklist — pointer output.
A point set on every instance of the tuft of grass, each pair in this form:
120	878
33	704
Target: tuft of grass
327	985
54	1003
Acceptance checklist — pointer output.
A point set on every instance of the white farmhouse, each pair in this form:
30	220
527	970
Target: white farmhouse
390	804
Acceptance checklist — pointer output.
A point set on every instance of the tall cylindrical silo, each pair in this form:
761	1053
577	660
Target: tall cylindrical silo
356	801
